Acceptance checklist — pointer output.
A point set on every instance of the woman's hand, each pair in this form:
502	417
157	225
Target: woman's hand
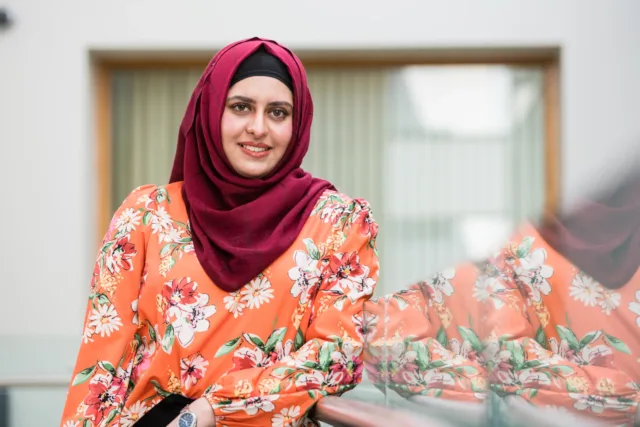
203	411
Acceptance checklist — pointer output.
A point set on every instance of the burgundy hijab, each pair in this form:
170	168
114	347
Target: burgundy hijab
240	225
602	237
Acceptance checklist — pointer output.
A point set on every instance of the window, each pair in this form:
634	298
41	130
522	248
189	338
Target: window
448	156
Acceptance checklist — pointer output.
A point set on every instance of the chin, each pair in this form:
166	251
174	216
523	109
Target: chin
252	173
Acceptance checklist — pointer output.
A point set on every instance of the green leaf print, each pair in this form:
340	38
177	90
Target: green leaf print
83	375
107	367
146	217
283	372
589	338
256	340
87	423
422	356
531	364
562	370
314	253
275	337
517	354
524	247
616	343
168	339
441	336
318	207
435	365
533	392
103	299
299	340
111	416
228	347
162	392
312	365
568	335
572	389
325	355
166	249
468	335
466	370
152	332
541	337
335	199
162	195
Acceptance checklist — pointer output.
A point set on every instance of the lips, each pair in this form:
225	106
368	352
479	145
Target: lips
253	149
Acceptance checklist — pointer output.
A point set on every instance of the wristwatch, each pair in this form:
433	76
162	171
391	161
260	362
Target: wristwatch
187	419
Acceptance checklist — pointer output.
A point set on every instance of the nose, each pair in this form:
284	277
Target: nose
257	126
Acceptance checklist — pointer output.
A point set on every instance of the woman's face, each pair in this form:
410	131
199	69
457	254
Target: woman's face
257	125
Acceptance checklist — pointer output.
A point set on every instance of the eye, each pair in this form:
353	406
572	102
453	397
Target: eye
280	113
240	107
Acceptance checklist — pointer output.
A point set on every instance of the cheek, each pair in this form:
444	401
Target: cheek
230	128
282	135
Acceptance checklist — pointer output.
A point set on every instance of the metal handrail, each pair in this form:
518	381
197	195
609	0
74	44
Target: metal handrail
43	381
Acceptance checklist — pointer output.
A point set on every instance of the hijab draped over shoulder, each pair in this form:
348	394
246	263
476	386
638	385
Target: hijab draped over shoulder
241	225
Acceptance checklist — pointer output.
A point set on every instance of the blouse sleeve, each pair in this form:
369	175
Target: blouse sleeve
329	359
101	376
409	352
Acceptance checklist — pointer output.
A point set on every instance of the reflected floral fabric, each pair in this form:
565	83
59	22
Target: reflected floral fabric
525	323
558	338
155	323
424	340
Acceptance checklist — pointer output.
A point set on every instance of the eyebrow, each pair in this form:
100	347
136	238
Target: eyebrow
252	101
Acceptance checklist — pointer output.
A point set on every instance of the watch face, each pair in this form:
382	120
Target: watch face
187	419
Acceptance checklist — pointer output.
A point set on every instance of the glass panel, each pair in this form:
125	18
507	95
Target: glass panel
34	406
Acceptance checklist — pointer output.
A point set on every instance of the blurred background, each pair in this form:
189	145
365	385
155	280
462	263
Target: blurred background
456	120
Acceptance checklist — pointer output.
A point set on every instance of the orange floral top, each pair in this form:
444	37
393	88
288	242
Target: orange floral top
263	355
558	338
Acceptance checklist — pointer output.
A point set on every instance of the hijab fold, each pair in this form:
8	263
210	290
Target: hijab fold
241	225
602	237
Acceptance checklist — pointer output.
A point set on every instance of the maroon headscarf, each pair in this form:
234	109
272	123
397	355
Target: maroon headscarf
602	236
241	225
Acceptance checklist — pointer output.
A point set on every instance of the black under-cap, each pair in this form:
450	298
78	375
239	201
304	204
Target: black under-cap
262	63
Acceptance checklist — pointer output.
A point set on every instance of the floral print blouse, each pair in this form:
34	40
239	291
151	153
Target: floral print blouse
155	323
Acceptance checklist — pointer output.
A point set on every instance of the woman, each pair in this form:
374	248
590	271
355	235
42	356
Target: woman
235	286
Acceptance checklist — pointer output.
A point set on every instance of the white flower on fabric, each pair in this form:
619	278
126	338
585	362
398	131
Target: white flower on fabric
440	285
586	290
128	220
233	303
253	404
104	319
132	414
634	306
286	418
257	292
533	273
610	301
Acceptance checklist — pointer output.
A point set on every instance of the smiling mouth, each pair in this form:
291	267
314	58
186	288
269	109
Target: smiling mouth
255	149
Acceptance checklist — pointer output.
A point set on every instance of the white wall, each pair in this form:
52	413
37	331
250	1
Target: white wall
46	140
